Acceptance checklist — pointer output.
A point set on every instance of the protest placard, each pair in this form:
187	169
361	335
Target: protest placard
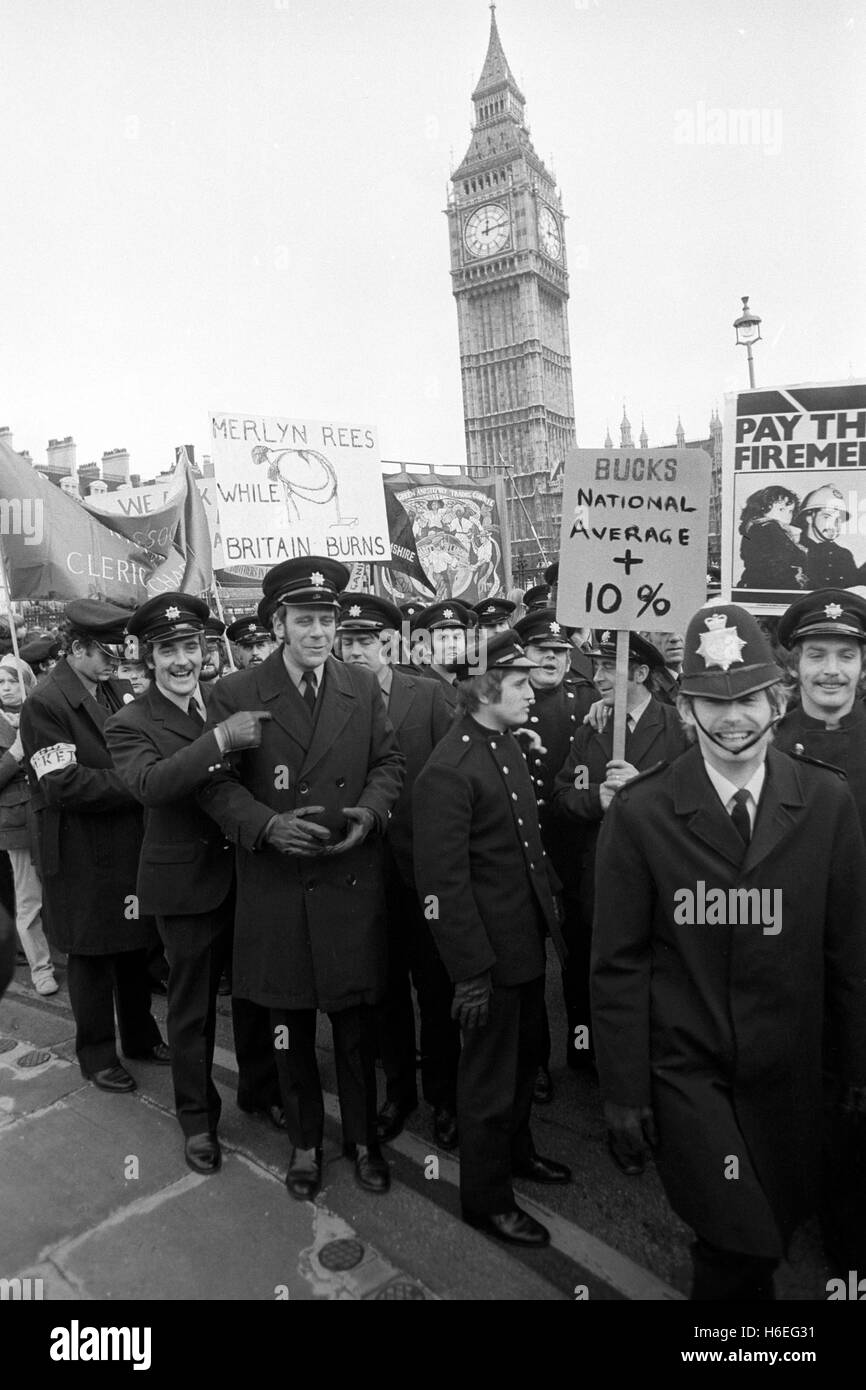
793	492
288	487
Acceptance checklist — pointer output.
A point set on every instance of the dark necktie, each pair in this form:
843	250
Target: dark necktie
101	696
308	680
740	815
195	714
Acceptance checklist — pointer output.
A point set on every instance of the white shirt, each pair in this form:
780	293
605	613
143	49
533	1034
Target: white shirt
727	790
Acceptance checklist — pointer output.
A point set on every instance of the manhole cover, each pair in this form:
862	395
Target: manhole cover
7	1044
401	1290
34	1059
341	1254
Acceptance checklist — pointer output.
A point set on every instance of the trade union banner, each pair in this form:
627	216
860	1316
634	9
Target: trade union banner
453	539
288	487
54	549
793	492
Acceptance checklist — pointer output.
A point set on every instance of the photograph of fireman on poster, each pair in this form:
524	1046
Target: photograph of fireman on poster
794	512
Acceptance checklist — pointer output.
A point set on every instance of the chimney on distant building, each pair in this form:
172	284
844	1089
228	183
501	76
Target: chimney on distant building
115	466
60	458
6	436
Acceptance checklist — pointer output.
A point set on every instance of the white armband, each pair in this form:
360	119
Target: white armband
53	758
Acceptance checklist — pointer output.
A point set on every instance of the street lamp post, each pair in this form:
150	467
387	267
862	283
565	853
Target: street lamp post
748	327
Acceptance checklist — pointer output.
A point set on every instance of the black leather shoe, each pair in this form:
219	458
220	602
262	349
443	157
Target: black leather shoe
539	1169
445	1128
371	1171
542	1091
274	1113
391	1119
158	1054
629	1161
516	1227
202	1152
115	1078
304	1177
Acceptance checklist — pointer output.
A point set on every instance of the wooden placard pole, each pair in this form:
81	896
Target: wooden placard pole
219	608
4	584
619	698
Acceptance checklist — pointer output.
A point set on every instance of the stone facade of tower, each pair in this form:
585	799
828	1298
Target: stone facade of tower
510	280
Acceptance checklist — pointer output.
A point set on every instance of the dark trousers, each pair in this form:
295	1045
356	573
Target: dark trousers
577	935
721	1276
494	1095
300	1084
98	984
197	949
412	952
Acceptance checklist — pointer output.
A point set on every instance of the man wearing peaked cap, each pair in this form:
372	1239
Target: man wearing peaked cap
825	632
537	597
480	861
730	897
494	613
186	871
41	654
420	715
439	641
252	638
89	829
212	665
307	810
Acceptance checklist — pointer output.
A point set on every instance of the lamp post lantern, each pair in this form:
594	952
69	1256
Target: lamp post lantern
748	328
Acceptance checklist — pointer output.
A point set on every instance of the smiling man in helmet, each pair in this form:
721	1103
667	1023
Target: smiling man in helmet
710	1008
821	520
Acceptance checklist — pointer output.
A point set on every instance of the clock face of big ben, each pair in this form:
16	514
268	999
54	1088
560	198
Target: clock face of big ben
549	234
487	230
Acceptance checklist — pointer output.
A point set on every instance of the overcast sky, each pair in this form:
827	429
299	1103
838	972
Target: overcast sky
238	205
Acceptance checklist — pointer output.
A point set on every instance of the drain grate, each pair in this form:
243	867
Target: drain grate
341	1254
34	1059
401	1289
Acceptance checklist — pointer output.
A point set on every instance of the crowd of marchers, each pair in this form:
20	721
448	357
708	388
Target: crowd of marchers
332	829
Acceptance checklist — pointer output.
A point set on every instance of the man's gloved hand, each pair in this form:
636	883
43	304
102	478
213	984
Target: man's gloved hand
243	729
630	1130
471	1007
291	834
362	822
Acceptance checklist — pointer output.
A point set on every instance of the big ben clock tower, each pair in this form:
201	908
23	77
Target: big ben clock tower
510	281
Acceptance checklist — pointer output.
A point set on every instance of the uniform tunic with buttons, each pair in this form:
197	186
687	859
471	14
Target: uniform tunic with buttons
843	747
478	850
556	717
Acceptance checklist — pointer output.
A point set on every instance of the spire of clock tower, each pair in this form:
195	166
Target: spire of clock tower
496	73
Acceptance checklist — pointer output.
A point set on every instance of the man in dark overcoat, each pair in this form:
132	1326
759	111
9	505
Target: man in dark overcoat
89	829
730	893
482	876
420	715
825	632
307	810
186	871
584	788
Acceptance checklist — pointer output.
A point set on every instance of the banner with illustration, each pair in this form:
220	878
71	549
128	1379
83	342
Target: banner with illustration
287	487
454	539
793	492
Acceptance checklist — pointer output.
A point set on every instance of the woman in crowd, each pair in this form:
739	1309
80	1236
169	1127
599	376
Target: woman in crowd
15	825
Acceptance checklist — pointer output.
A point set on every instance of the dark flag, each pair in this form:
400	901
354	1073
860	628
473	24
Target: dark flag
404	551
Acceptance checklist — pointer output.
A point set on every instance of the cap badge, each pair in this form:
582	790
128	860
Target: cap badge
554	627
251	627
317	578
355	610
722	645
172	614
447	612
833	610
